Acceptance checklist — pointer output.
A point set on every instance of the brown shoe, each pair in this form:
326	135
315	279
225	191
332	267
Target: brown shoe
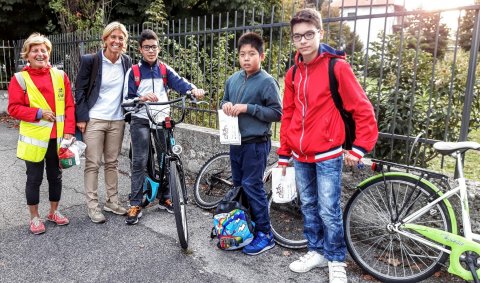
96	215
114	208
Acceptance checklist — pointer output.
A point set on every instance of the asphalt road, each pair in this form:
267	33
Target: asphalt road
114	252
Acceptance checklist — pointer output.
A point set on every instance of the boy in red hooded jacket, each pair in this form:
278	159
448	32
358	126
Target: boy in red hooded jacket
313	132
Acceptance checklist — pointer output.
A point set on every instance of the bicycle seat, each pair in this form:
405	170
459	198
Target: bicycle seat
451	147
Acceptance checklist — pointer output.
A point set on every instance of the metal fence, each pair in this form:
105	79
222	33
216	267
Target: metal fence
415	66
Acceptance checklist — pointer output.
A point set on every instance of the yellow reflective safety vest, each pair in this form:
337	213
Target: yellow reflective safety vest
34	136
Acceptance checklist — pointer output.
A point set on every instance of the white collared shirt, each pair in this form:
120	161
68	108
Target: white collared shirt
108	106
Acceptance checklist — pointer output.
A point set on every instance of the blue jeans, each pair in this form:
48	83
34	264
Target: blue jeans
320	186
248	165
140	137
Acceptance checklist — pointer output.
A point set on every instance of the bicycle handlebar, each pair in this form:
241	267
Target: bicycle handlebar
137	104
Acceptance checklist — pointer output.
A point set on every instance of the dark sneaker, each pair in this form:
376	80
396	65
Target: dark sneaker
166	205
260	243
133	214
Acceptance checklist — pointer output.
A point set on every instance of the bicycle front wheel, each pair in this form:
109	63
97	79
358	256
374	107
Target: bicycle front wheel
155	161
179	201
213	181
380	250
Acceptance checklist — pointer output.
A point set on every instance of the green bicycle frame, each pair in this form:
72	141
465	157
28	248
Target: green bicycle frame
458	244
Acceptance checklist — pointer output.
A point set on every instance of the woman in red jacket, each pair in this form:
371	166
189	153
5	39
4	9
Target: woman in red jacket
41	98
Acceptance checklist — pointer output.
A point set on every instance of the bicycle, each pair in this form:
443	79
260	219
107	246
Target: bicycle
215	179
165	164
401	226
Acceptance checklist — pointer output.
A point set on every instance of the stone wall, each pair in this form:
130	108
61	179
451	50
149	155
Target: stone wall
199	144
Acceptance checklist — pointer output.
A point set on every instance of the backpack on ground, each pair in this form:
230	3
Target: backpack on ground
232	224
346	116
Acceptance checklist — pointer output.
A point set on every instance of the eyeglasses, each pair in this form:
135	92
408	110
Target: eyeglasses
150	47
308	35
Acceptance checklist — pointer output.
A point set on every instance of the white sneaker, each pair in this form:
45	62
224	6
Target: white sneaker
311	260
337	272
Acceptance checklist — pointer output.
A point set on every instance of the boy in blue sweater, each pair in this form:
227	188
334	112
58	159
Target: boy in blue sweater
253	95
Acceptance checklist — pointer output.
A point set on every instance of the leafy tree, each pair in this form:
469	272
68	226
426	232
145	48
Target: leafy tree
465	30
424	28
19	18
193	8
339	34
156	12
76	15
408	101
130	12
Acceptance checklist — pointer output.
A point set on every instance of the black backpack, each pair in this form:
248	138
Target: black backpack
346	116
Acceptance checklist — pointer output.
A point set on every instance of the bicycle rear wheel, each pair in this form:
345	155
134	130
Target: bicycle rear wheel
286	222
179	201
213	181
378	249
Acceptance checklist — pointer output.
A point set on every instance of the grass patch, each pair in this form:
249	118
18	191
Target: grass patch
472	161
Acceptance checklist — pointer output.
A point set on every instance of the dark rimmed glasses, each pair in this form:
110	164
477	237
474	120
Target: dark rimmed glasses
150	47
296	37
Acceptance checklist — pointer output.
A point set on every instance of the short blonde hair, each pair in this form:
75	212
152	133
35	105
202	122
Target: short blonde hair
110	28
35	39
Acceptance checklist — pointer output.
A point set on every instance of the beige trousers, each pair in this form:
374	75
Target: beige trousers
103	138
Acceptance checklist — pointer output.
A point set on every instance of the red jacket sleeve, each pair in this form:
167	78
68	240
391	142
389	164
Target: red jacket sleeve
18	103
69	127
356	102
285	152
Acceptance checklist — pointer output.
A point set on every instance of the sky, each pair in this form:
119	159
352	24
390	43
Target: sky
449	18
436	4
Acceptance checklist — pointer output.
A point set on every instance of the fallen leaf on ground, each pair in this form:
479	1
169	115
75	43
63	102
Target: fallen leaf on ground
367	277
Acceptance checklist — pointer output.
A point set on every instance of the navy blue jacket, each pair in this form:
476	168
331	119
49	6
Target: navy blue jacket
151	81
82	103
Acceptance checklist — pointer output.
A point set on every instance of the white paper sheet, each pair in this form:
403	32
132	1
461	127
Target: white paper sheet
229	131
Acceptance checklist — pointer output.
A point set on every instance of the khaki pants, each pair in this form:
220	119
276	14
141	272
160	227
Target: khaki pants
103	138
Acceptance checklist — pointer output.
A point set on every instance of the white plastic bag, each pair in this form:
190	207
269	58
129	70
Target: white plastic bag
283	187
70	152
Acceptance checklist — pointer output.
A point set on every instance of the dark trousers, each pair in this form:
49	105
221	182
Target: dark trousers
249	162
35	176
140	137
